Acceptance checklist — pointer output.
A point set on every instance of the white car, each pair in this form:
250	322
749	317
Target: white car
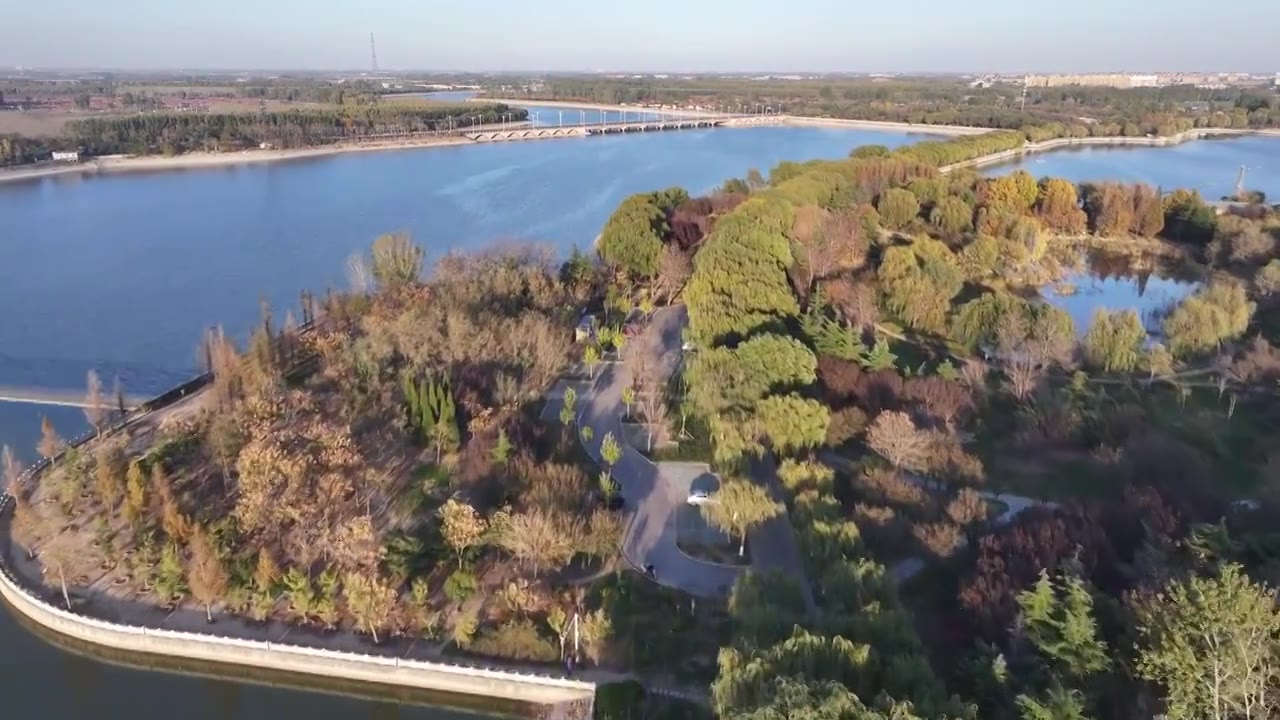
699	497
687	347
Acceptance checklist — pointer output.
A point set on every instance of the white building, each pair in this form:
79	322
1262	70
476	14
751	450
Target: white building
73	156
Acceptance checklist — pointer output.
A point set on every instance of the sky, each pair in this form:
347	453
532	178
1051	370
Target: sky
647	35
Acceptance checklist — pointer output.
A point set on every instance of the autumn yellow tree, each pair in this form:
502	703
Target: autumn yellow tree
175	524
461	527
738	506
370	599
206	575
50	443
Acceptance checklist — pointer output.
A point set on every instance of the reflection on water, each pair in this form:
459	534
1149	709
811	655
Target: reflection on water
1151	286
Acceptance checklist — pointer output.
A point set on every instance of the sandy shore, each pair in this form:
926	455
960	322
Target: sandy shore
208	160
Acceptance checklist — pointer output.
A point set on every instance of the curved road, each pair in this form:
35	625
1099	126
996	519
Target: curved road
651	499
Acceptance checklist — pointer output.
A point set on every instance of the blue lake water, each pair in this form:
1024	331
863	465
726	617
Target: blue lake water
1148	293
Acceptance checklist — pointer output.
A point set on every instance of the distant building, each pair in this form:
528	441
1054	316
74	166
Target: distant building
73	156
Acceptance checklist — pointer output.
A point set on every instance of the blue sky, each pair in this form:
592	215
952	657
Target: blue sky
658	35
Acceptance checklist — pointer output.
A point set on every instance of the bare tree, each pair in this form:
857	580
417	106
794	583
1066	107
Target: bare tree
542	538
58	552
50	443
899	441
95	404
358	276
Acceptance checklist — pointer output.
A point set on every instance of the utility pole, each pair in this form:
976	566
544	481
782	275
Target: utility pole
1240	184
373	54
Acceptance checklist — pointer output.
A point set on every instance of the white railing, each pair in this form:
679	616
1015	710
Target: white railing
11	581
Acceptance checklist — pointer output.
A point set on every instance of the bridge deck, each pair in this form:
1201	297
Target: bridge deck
61	397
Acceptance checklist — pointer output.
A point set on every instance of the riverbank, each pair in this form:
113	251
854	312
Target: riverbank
196	161
1112	141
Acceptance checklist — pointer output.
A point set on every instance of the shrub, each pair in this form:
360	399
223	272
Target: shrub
516	640
460	586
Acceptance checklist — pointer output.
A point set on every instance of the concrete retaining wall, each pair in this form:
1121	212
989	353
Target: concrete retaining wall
530	688
1063	143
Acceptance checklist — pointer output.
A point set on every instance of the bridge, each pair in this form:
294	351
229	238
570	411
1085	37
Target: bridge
62	397
602	128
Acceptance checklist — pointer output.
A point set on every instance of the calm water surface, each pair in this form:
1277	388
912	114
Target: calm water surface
1113	284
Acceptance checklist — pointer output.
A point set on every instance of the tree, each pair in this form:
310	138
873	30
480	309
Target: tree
396	260
543	538
591	358
1059	622
629	398
1158	361
176	525
674	269
952	217
738	506
1267	278
95	404
918	281
610	450
501	450
1114	341
566	410
108	474
136	495
1201	322
461	527
206	575
57	553
793	423
721	379
50	443
895	438
224	438
1211	643
1059	703
632	238
898	208
370	599
1187	218
266	572
1059	209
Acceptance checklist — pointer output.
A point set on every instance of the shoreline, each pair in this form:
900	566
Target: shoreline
202	160
1010	156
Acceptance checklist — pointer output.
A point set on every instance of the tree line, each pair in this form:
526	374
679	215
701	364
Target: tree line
176	133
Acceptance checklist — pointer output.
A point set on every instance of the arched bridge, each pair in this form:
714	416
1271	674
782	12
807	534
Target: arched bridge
590	129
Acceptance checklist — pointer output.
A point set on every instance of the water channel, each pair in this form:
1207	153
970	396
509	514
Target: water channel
121	273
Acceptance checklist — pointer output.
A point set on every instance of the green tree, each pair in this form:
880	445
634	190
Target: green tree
919	280
738	506
632	238
721	379
501	451
370	599
898	208
570	398
1211	642
136	495
461	527
610	450
1059	703
1114	341
880	357
1059	622
629	398
591	358
792	423
1187	218
952	217
1201	322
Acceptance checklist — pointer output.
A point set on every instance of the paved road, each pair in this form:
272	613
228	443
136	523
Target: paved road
651	497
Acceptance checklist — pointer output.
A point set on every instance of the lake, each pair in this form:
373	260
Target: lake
1115	283
123	272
